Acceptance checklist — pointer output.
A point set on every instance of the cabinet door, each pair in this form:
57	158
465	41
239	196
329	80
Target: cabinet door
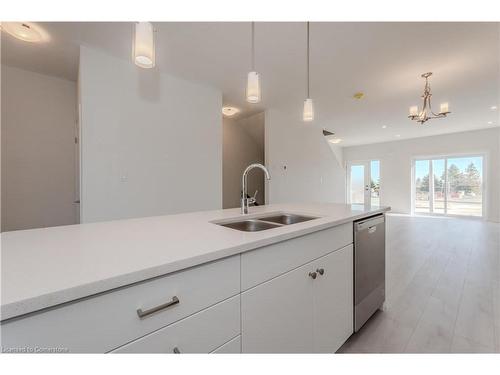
333	300
230	347
276	316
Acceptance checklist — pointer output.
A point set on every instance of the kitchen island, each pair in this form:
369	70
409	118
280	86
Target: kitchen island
182	283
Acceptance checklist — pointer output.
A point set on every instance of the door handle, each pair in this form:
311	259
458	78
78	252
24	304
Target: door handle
144	313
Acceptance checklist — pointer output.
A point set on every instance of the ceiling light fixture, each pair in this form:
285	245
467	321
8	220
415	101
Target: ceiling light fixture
26	31
335	140
493	107
253	82
144	45
308	113
426	113
230	111
384	126
490	122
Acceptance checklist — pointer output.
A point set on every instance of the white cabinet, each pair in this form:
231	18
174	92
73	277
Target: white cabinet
301	311
202	332
277	316
106	321
264	301
263	264
333	300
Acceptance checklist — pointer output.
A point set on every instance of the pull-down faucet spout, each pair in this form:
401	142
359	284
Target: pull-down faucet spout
245	202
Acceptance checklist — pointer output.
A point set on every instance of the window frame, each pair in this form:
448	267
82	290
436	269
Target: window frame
484	187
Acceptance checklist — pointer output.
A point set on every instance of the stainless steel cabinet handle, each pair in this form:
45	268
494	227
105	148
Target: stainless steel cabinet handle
313	275
145	313
176	350
321	271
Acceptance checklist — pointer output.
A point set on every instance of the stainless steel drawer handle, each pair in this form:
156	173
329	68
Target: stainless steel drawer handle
145	313
176	350
313	275
321	271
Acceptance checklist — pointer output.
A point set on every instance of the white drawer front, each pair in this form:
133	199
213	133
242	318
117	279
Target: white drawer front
199	333
263	264
231	347
107	321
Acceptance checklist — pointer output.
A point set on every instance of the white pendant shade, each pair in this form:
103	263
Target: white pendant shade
308	114
144	45
253	88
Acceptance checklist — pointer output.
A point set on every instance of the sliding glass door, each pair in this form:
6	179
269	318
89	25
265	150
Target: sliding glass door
448	186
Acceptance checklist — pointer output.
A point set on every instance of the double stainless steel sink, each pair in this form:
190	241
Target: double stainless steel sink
266	222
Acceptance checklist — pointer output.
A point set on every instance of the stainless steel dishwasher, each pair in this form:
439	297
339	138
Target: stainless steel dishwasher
369	268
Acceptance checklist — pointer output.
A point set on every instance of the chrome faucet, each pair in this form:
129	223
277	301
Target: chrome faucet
245	202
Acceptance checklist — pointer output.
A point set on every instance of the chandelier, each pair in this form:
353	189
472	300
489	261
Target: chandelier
421	116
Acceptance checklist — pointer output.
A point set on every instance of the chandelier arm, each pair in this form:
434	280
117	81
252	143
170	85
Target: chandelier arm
426	113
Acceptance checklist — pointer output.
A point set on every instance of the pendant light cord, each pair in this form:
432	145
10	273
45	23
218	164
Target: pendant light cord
253	46
307	60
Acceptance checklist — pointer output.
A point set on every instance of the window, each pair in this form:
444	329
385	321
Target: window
448	186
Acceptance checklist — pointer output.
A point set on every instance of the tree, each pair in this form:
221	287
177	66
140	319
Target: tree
424	184
472	179
455	178
375	186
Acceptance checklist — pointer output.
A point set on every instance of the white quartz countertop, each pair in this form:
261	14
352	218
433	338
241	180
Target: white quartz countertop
45	267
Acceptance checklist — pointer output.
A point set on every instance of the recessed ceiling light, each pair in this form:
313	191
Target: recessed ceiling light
335	140
26	31
384	126
398	135
493	107
230	111
490	122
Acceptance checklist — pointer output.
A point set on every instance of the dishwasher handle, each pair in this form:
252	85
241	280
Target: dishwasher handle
369	223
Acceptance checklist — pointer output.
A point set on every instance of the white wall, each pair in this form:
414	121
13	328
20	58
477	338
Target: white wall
243	144
313	172
396	158
151	143
38	150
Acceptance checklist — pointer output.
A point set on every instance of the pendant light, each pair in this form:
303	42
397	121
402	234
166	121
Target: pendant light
144	45
308	114
253	83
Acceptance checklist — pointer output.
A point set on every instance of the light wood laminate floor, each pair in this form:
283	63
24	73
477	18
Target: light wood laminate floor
442	289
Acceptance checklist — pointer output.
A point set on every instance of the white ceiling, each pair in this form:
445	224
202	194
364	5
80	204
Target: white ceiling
383	60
